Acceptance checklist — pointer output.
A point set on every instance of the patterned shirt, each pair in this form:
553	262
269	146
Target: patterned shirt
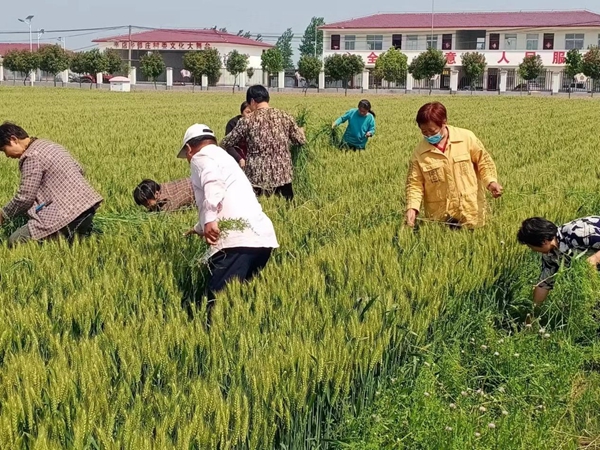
175	195
53	190
576	237
268	133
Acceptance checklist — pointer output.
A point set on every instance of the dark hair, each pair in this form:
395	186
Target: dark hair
194	142
145	191
536	230
8	130
243	107
366	104
258	93
432	112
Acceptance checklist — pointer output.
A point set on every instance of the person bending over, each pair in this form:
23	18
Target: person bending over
164	197
53	191
559	244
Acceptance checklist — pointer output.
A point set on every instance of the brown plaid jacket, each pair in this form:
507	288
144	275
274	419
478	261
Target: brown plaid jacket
53	191
175	195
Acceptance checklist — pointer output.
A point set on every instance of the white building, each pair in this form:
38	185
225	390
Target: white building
505	38
173	44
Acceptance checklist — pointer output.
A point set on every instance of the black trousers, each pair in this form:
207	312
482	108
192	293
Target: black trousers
242	263
81	226
286	191
346	146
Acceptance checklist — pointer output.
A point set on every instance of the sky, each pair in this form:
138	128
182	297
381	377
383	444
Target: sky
268	17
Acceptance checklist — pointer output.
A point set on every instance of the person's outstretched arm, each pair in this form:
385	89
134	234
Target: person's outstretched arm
342	119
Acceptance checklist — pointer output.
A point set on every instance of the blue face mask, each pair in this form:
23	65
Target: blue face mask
435	139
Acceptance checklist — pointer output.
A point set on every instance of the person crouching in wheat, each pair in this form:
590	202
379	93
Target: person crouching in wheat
558	245
449	172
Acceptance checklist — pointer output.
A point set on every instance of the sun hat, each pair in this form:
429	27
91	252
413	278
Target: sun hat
195	131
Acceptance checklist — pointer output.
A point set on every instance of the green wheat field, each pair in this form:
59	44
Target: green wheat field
360	333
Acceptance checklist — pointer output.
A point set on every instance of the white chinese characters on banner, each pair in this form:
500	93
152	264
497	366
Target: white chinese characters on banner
493	58
162	45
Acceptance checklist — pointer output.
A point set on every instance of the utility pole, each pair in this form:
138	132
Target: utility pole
432	15
27	21
129	47
39	34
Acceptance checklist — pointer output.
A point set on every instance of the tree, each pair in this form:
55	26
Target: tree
590	66
12	61
307	44
272	61
213	65
531	68
152	66
427	65
248	35
310	68
115	65
415	68
94	63
78	64
284	44
392	66
573	62
22	61
250	72
474	65
343	68
237	63
53	60
377	75
195	63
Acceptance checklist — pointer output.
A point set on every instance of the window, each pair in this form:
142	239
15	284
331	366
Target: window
532	41
446	42
349	41
412	42
397	41
481	43
432	41
510	41
495	41
574	41
548	41
374	41
335	42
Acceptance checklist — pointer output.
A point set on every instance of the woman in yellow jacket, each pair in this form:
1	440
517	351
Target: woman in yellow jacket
449	172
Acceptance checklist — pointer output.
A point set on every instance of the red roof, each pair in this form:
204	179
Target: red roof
5	48
205	36
476	20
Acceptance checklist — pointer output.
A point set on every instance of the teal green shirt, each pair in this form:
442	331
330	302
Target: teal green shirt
358	127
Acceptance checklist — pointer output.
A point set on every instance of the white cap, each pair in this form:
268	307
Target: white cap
196	130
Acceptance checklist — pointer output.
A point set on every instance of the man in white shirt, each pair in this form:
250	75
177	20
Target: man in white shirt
223	192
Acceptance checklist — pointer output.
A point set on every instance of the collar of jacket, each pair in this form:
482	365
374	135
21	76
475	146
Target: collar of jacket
455	135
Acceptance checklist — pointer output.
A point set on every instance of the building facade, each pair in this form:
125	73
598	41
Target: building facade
174	44
505	38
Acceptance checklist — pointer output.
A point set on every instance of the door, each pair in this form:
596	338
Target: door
445	80
492	84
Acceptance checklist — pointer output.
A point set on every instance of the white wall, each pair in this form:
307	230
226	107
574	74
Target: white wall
591	37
